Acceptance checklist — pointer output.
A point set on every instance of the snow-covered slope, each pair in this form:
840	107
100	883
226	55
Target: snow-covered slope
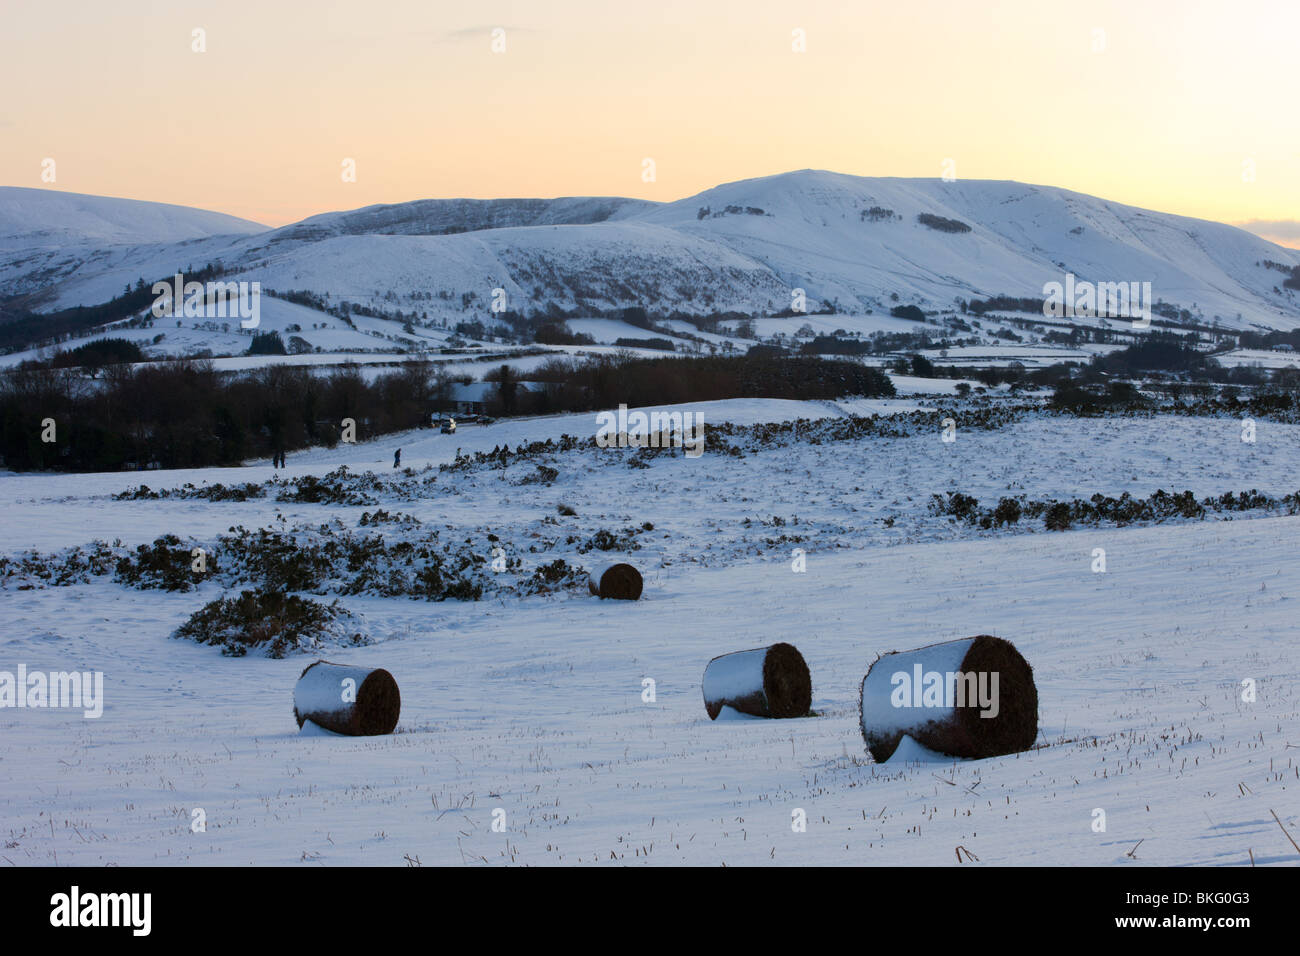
831	234
45	218
435	217
534	706
852	242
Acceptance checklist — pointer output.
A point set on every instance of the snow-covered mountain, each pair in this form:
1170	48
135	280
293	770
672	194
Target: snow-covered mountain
847	241
34	219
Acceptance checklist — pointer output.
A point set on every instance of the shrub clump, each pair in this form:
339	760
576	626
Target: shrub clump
1057	517
213	492
339	487
167	564
280	562
273	623
606	540
559	575
1008	511
544	475
31	569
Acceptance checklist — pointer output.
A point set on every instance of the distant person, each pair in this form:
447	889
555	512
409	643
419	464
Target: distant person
397	459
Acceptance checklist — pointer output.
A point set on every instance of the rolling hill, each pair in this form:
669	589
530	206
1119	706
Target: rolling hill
853	244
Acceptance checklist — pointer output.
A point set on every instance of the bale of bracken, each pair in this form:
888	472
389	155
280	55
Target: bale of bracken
764	682
619	581
972	698
357	701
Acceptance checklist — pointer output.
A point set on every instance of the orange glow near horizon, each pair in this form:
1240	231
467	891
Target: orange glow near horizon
1184	106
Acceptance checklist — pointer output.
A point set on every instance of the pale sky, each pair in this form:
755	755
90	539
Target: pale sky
1185	106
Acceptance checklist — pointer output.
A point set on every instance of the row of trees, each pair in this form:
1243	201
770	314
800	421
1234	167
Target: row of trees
613	380
186	414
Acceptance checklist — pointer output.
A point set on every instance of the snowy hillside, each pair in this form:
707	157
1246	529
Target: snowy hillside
433	217
33	219
852	242
832	234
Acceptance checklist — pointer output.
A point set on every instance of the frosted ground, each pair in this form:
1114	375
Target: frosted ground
534	705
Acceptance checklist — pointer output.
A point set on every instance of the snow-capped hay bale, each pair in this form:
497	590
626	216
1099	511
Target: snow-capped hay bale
973	697
763	682
619	581
357	701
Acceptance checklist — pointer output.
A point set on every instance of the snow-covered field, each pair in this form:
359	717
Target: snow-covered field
537	706
1260	357
994	356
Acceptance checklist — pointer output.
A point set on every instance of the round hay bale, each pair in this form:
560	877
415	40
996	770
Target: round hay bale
619	581
973	698
764	682
357	701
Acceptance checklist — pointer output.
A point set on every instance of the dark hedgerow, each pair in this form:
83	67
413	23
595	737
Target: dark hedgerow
213	492
1124	510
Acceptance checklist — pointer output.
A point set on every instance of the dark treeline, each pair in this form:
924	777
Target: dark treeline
609	382
833	345
185	414
911	312
1005	303
942	224
661	345
557	333
95	354
1268	340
